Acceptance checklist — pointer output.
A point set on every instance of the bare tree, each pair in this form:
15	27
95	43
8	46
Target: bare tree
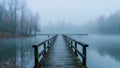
36	29
16	18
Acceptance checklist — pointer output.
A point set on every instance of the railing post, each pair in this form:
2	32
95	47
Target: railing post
48	44
74	43
76	48
71	43
36	55
44	48
84	58
51	40
45	44
68	41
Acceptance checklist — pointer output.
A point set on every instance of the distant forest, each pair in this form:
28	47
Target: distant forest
106	25
101	25
110	25
17	19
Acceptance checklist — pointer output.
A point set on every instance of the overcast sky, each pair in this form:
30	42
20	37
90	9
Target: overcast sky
73	11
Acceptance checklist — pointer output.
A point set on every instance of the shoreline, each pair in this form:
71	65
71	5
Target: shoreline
9	35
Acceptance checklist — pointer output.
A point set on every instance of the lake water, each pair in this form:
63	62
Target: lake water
103	51
18	52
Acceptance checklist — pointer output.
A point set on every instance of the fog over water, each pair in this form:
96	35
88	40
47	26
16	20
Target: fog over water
100	19
72	11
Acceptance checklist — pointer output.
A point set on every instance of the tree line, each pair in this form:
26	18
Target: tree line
110	25
17	19
104	24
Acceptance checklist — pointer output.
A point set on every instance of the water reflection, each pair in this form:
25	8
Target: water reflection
103	50
110	46
17	52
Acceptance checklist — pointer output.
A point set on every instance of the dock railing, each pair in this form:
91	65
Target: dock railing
46	45
74	45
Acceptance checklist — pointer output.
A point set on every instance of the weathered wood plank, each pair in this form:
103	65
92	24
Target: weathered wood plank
60	56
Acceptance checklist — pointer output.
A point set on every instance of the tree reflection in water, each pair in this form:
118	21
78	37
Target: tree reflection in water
107	45
17	52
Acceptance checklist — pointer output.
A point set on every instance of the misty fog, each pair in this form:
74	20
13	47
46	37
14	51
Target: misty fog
27	28
100	25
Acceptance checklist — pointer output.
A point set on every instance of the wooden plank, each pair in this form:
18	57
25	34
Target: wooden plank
60	56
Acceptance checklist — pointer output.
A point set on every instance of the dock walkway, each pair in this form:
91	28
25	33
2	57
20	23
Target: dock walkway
60	56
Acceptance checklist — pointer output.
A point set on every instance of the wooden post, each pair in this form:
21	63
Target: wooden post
44	48
36	55
84	58
76	48
48	44
71	43
51	41
68	41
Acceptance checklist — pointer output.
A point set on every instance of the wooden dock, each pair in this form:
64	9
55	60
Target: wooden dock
58	54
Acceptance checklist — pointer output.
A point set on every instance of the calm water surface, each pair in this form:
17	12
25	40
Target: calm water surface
18	52
103	51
